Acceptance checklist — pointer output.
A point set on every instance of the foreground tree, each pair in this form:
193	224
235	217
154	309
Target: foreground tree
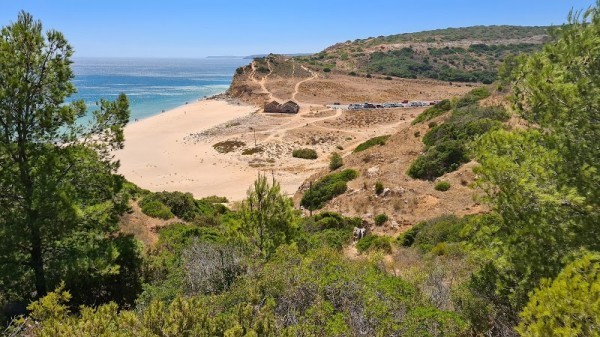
568	306
58	204
267	216
543	181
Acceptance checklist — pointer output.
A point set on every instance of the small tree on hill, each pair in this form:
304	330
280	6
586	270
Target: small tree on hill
335	161
267	216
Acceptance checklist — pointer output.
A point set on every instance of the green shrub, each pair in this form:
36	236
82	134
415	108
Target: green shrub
442	186
213	199
157	209
380	219
427	234
374	243
326	70
378	187
440	133
439	109
327	188
329	220
440	249
446	143
372	142
335	161
305	154
331	238
180	204
473	96
475	112
407	238
183	205
438	160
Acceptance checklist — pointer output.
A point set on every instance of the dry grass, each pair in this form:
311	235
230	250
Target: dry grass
228	146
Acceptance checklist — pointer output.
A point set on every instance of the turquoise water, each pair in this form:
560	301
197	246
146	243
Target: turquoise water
152	85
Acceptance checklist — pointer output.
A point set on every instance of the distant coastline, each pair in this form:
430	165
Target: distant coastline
153	85
250	57
225	57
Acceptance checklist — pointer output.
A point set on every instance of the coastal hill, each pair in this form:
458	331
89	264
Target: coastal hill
470	54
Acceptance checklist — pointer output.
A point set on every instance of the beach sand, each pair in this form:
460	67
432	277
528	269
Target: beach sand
157	157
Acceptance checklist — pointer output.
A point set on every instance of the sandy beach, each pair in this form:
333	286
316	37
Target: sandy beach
157	157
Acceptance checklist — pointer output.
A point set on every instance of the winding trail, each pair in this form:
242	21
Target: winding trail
261	83
314	76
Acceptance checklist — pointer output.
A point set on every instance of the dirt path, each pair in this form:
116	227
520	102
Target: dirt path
262	81
314	75
296	122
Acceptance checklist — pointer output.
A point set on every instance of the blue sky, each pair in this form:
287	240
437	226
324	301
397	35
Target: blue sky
177	28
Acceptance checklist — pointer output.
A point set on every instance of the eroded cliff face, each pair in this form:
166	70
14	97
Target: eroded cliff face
244	88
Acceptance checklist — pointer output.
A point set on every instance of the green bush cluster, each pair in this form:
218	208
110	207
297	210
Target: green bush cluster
215	199
165	205
374	243
305	153
327	294
380	140
439	160
473	96
326	229
426	235
446	144
380	219
438	109
327	188
449	63
444	106
378	187
442	186
156	209
335	161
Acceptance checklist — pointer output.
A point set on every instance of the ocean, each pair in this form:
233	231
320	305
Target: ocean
152	85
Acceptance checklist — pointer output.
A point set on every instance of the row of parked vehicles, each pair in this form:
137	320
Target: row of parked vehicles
403	104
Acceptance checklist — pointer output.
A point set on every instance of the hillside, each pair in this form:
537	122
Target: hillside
470	54
410	162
